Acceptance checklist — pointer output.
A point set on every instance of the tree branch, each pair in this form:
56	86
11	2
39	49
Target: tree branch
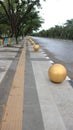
1	3
30	7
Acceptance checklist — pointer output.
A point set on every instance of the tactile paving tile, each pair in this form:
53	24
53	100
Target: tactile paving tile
12	119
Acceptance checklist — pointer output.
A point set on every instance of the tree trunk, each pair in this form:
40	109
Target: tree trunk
16	39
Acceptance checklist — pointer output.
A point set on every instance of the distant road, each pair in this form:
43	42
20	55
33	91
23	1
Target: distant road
60	51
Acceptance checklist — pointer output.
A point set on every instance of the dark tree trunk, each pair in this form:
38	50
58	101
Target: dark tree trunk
16	39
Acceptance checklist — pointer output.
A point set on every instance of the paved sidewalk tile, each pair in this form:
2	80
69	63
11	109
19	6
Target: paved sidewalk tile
32	117
55	101
9	57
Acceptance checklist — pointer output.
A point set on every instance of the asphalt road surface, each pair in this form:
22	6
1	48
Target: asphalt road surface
60	51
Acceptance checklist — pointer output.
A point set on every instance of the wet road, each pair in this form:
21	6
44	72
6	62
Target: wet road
60	51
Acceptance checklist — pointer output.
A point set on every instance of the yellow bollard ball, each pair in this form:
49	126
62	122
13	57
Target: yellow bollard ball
57	73
32	42
36	47
30	39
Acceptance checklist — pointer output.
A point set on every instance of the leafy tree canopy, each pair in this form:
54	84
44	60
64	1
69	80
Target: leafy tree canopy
20	16
64	32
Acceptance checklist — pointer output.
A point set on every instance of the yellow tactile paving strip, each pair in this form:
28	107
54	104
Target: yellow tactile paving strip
12	119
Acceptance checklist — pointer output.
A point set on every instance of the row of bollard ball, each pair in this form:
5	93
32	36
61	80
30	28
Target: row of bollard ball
57	72
35	46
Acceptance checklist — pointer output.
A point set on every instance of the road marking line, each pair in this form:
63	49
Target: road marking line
12	118
47	58
42	52
45	54
51	61
67	78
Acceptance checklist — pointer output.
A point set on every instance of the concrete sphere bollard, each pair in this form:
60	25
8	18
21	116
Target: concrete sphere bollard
36	47
57	73
32	42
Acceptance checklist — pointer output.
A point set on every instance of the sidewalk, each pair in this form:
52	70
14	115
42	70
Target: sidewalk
47	106
9	57
43	105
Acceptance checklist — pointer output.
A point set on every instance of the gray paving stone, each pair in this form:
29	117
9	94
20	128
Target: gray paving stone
32	117
56	100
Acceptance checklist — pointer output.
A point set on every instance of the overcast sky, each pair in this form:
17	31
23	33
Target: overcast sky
56	12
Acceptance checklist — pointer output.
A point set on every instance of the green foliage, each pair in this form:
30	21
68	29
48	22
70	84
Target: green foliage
63	32
19	16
